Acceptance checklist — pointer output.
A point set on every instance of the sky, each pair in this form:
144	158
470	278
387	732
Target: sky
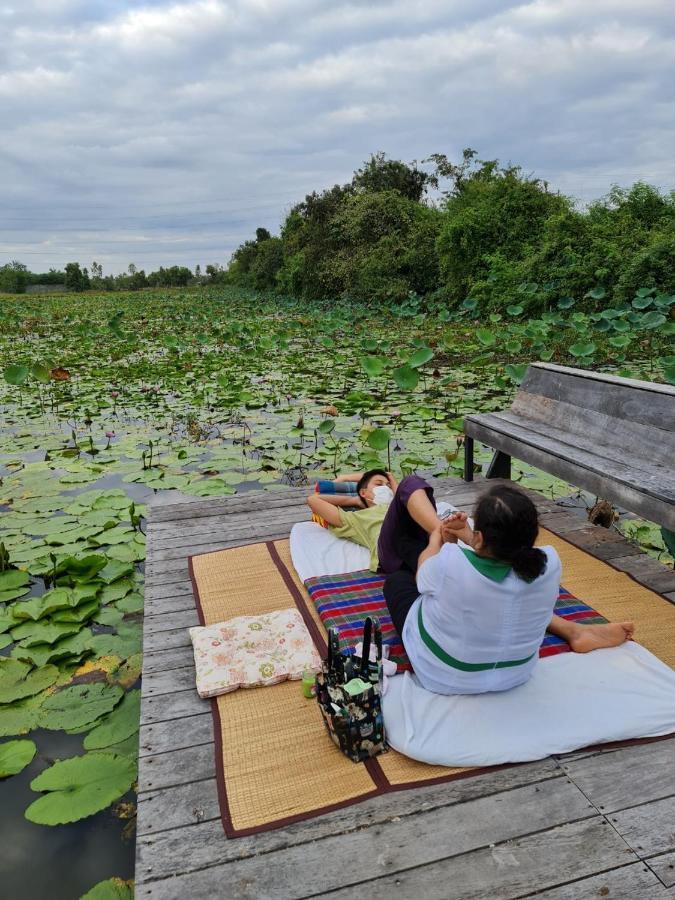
161	133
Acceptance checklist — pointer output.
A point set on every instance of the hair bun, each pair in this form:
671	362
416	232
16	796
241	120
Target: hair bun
529	562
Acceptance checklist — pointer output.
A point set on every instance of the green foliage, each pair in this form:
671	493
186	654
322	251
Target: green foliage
78	705
19	679
120	724
15	756
79	787
14	277
111	889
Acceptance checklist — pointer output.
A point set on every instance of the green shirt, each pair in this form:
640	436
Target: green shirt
363	527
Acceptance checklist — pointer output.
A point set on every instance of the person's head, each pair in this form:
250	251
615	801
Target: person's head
505	527
369	480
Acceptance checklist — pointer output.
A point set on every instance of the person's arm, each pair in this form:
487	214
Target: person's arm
433	547
328	511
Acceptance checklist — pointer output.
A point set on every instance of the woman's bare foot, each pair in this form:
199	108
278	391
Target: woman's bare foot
585	638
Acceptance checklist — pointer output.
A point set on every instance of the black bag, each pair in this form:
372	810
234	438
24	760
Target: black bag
349	693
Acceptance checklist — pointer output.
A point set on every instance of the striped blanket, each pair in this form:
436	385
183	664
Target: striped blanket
344	602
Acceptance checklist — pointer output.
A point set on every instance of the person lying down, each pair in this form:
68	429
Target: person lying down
471	618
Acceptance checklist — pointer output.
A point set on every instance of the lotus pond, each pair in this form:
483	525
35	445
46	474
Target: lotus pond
106	400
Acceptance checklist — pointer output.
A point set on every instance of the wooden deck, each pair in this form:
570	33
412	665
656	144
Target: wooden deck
589	824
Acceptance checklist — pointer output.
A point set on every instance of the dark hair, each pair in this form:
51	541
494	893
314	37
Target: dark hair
508	521
365	478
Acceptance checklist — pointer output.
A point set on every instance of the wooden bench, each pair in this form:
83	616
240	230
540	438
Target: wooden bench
612	436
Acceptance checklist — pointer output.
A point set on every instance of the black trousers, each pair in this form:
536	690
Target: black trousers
400	592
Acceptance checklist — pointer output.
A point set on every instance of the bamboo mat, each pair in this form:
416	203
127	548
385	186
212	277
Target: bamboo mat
275	764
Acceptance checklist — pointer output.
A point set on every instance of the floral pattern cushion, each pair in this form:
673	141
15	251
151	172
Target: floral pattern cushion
252	651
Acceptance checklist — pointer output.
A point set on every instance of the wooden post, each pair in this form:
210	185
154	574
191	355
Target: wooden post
468	458
500	466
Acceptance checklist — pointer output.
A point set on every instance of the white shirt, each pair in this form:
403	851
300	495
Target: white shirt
477	620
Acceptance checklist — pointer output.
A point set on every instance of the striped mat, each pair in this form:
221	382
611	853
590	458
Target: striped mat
344	601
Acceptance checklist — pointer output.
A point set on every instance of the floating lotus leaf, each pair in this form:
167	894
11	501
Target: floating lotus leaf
420	357
5	641
18	679
72	647
13	593
373	365
109	616
15	756
12	579
80	787
81	613
117	535
124	644
58	598
406	378
129	672
20	717
111	889
115	569
122	722
79	705
116	590
30	634
132	603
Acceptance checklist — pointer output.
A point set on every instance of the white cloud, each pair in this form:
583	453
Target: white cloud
165	132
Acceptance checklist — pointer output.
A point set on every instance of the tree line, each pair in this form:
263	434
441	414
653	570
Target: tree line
440	230
456	231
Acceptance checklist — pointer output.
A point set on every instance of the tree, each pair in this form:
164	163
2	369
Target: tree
76	279
14	277
382	174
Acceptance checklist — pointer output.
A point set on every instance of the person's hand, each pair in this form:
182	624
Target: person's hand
456	522
448	534
393	483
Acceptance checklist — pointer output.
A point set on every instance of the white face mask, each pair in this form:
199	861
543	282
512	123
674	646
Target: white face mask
382	495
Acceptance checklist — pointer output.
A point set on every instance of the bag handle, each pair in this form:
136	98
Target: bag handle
333	648
365	653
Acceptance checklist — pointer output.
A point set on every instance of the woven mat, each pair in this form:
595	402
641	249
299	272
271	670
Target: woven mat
345	601
274	762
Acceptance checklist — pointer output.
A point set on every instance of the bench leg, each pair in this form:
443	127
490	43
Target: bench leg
468	458
500	466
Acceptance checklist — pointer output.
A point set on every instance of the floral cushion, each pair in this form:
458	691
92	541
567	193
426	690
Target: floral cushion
251	651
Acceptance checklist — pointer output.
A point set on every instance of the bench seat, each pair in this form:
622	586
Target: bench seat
614	437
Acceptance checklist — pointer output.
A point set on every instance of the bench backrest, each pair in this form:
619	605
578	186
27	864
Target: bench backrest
627	419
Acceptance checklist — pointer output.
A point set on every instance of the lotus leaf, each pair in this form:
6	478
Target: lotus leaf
116	590
379	439
12	579
15	756
79	705
373	365
5	641
129	672
31	634
111	889
122	722
80	614
420	357
109	616
58	598
115	569
20	717
18	679
132	603
80	787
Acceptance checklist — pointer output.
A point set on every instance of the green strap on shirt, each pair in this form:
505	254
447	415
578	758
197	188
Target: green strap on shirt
440	653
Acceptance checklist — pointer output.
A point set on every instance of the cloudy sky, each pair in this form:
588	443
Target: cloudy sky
159	132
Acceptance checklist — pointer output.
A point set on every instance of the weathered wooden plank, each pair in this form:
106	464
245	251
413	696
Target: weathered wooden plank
166	621
172	706
163	605
176	807
603	543
168	681
649	828
593	427
186	849
393	818
426	860
664	869
190	731
256	499
164	659
180	766
174	567
670	596
614	781
189	536
631	882
648	571
650	404
164	592
165	640
654	480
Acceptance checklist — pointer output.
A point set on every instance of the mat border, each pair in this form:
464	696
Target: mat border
381	782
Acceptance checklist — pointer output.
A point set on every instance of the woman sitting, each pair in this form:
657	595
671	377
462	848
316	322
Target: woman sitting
472	620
